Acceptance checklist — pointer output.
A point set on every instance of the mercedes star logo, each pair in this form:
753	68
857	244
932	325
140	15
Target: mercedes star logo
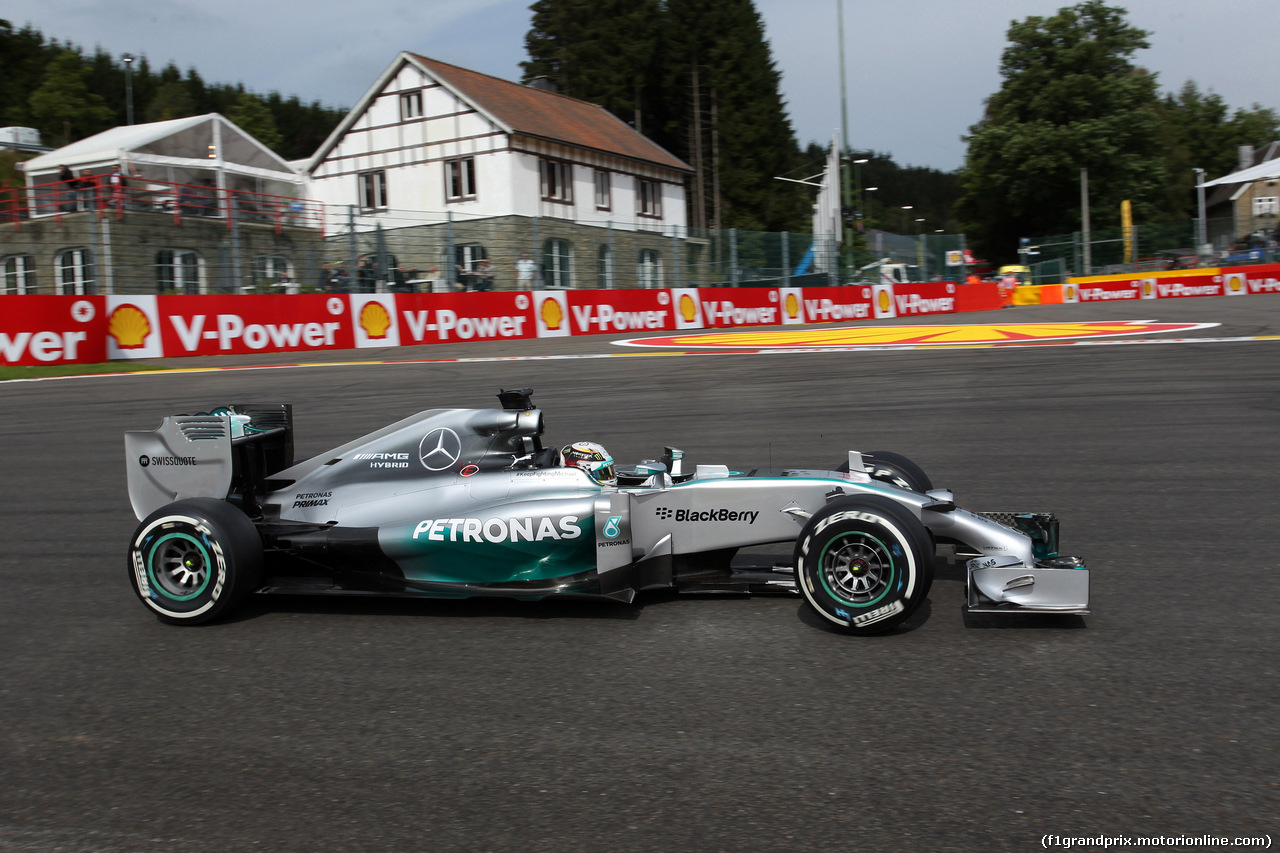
439	449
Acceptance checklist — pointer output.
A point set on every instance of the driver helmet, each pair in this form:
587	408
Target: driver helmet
593	459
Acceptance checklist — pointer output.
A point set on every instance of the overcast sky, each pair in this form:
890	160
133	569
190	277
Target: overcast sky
918	70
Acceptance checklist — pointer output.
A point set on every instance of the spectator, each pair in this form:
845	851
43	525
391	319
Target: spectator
464	277
364	276
88	189
118	184
525	269
68	179
328	279
484	275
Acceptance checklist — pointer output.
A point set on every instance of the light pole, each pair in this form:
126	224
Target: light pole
924	273
845	193
1202	235
127	59
857	182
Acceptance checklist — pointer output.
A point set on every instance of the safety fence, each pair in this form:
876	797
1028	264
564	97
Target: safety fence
164	238
116	195
1154	247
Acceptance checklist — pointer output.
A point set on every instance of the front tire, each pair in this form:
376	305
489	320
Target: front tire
864	564
194	560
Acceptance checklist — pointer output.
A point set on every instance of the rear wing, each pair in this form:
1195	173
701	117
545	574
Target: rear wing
225	454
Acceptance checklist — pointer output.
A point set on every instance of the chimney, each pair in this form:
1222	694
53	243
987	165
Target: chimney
1246	156
546	84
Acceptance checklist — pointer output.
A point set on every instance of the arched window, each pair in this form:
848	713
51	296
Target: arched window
604	267
19	274
273	274
178	271
75	272
556	263
649	269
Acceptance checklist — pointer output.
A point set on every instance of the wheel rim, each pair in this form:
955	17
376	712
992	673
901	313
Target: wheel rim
179	566
857	568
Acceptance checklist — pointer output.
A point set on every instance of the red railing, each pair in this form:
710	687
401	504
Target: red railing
96	194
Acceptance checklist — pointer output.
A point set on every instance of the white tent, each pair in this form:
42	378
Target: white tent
193	150
1268	171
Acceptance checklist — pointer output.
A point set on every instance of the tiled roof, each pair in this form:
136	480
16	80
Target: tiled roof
547	115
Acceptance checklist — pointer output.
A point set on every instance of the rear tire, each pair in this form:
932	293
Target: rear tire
894	469
864	564
195	560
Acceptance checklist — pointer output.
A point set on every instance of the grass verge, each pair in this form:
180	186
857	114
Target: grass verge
8	374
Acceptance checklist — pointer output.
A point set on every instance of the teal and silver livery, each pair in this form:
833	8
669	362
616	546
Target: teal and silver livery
453	503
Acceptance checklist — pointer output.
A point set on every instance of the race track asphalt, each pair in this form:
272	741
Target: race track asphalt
679	723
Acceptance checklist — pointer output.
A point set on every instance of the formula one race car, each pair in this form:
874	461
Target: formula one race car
453	503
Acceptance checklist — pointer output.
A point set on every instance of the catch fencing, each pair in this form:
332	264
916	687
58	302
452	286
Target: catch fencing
1154	247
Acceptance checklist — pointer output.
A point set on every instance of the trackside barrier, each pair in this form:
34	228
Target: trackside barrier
38	330
1176	284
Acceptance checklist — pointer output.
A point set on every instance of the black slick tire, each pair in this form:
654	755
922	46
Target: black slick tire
194	560
864	564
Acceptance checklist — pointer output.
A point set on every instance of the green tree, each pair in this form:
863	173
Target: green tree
697	78
23	57
1201	132
63	107
602	51
251	115
747	138
1070	99
171	100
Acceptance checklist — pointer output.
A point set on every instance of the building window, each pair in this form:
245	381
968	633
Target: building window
604	267
466	259
178	271
604	190
556	263
272	273
557	181
19	274
373	190
1265	206
460	179
649	269
648	198
411	104
75	272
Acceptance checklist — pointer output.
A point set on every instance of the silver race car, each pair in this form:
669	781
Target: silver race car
453	503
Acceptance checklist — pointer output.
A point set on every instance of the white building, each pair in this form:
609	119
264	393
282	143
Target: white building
428	136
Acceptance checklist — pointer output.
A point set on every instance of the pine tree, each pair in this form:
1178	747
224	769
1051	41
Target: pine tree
698	79
251	115
23	57
717	53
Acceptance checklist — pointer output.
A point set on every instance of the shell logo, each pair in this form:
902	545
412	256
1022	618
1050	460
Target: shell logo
551	314
688	310
1146	288
374	320
129	325
792	306
1071	292
885	301
1236	283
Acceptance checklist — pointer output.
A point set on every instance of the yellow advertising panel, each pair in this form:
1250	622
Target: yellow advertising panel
1126	229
